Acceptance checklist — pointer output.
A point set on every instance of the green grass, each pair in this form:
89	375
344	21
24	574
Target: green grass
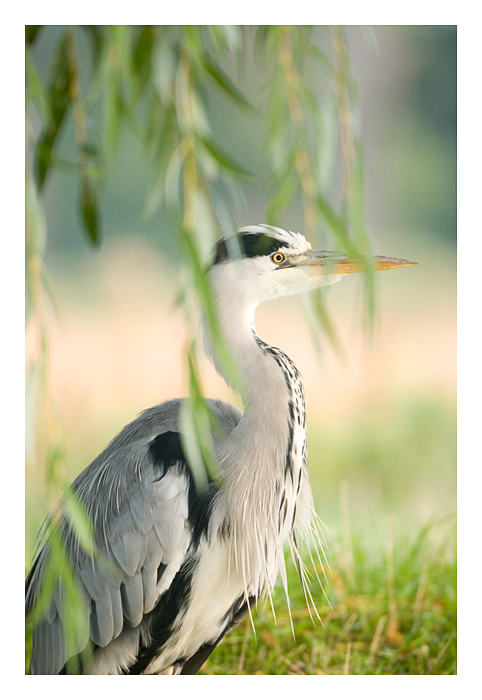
393	614
389	613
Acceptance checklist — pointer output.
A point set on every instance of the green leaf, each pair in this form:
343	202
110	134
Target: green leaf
142	53
171	183
31	33
36	90
79	521
210	315
75	613
309	101
326	323
266	44
317	55
117	83
225	37
97	37
193	40
53	461
89	207
226	84
225	161
284	194
58	100
198	425
335	222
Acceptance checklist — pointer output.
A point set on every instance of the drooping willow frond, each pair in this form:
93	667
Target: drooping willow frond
159	81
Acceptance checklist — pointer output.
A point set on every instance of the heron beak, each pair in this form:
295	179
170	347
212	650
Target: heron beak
319	262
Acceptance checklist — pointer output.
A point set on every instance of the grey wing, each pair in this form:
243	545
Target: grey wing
137	494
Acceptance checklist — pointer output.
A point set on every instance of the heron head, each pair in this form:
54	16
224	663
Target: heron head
264	262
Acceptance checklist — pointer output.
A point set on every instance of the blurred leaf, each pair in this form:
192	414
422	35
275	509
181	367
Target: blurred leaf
46	592
326	323
35	222
35	88
117	83
310	102
89	207
226	37
284	194
370	36
317	54
335	222
79	521
31	398
31	33
277	116
172	181
225	161
97	37
57	104
198	425
266	44
89	149
74	608
165	61
191	445
193	39
142	55
54	461
209	310
226	84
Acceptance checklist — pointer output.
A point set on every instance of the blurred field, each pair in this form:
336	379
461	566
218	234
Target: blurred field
382	421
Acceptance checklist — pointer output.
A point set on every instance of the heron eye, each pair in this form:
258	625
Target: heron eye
277	258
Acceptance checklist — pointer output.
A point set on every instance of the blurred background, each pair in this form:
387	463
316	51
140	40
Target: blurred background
381	421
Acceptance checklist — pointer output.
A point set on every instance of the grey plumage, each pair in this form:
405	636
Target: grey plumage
176	569
138	531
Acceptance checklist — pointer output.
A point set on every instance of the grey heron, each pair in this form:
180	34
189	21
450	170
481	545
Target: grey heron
177	568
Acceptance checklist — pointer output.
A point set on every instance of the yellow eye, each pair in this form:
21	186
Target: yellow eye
277	258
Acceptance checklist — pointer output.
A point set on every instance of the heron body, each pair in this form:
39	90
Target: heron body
176	568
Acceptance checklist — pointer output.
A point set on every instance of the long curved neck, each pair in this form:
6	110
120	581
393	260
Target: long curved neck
270	385
260	381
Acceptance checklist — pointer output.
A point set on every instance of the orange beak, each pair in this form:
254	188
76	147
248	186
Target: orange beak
380	262
320	262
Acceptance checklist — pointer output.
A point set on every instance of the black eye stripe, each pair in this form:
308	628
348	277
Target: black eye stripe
252	245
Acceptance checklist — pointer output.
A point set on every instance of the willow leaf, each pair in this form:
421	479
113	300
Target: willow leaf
226	84
225	161
79	521
58	102
89	211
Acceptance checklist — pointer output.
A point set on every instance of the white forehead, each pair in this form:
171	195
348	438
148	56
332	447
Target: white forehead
294	242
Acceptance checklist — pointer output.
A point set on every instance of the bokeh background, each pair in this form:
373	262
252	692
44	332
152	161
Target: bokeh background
381	421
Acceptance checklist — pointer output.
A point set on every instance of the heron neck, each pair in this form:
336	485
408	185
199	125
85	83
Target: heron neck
260	381
263	433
